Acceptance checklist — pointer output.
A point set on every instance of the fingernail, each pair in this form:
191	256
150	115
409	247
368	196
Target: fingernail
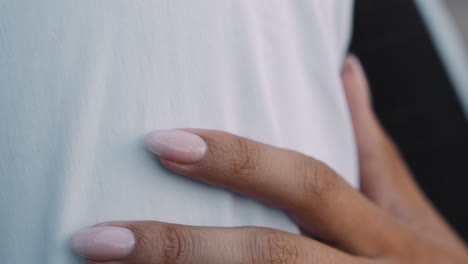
350	64
177	145
104	243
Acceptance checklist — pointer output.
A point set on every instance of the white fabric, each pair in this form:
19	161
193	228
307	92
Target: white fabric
450	45
81	83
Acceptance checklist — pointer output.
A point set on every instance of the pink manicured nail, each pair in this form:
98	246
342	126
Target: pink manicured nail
104	243
177	145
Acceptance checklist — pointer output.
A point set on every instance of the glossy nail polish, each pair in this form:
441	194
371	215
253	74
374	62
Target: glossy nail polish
104	243
177	145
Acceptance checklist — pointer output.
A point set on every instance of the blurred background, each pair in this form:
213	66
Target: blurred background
459	10
417	65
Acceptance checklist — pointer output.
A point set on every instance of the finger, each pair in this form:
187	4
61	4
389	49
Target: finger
311	192
385	178
160	243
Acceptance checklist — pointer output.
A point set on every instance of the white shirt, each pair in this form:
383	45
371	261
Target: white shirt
449	43
81	83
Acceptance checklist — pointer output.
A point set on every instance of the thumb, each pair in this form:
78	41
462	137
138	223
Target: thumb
378	157
367	128
385	178
381	167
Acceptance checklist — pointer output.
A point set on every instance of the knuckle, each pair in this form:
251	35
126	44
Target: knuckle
318	179
273	248
176	246
244	157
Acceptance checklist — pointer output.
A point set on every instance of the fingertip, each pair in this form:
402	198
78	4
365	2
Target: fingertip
177	145
350	65
104	243
354	71
355	84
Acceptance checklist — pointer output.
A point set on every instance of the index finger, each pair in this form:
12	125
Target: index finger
310	191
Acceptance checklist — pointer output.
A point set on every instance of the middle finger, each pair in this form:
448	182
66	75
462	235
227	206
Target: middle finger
321	202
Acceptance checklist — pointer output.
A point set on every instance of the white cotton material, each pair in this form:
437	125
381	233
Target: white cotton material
450	46
82	82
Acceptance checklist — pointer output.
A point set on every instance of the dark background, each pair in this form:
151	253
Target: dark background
415	101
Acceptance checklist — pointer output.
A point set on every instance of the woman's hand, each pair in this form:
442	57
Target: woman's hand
389	222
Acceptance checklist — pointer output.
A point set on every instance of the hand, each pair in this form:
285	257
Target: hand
389	222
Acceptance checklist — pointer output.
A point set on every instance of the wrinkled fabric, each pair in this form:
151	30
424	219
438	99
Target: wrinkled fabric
81	83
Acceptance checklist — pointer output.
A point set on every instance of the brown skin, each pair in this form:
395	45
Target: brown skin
389	221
